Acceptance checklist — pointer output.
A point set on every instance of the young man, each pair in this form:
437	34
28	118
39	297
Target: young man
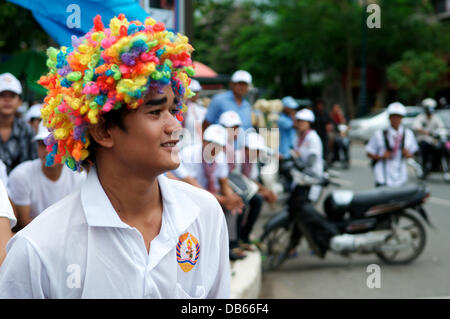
389	148
232	100
130	232
425	124
33	186
16	137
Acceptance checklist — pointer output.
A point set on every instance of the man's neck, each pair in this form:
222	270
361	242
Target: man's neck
136	199
238	98
53	173
7	121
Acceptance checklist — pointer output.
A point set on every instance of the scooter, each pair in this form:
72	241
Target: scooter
440	159
384	221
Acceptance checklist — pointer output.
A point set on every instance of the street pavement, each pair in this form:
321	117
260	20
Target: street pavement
307	276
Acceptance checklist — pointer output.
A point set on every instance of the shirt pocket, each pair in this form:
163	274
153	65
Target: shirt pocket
200	292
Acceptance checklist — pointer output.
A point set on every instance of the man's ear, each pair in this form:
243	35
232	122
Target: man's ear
101	134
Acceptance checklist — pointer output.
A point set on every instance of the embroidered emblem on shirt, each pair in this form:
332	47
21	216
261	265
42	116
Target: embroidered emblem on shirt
188	251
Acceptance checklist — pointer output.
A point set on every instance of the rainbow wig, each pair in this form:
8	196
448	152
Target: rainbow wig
103	70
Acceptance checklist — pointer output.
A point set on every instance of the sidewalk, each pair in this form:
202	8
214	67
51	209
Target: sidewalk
246	277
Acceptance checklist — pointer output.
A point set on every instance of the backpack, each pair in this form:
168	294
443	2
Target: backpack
388	146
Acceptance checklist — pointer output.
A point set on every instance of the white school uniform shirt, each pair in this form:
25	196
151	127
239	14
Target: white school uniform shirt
395	169
312	145
28	185
193	120
191	165
6	209
80	248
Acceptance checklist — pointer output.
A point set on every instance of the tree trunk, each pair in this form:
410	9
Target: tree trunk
349	81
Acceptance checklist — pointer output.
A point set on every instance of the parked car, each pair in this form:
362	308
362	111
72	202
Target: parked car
364	127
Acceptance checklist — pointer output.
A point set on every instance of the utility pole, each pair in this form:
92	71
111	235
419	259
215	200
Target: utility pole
363	89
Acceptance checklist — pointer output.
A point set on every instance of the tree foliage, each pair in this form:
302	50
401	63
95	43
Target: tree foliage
418	75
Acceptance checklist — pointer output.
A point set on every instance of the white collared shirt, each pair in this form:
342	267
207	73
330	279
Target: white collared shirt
191	165
394	171
80	248
311	145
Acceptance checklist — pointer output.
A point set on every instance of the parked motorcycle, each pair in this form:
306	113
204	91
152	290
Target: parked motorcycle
383	221
440	159
341	147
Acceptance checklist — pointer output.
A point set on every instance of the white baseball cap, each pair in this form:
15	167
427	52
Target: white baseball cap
33	112
42	132
255	141
9	82
396	108
195	86
215	133
305	115
230	119
241	76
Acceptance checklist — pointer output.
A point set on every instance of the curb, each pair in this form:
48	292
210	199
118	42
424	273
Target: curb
246	277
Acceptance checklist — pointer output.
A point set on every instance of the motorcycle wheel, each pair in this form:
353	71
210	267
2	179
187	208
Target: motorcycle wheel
410	225
274	247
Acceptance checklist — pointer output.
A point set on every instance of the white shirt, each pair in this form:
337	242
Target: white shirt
311	145
80	248
193	124
28	185
191	165
6	209
431	125
3	173
395	169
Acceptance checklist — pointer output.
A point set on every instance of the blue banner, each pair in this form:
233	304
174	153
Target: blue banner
63	18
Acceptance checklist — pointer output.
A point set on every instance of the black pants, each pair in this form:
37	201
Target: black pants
247	221
308	221
427	151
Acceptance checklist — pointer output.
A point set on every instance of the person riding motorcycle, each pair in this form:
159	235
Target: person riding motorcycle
424	125
307	220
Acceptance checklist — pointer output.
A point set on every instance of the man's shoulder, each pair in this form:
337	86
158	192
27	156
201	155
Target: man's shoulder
26	168
56	222
23	127
200	197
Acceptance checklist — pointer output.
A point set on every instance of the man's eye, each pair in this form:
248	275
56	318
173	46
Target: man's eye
174	111
154	112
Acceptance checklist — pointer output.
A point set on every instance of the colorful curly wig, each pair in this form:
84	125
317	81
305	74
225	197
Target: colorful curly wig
106	69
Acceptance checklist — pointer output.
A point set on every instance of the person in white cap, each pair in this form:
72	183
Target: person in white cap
206	163
389	148
232	100
193	118
16	137
247	164
424	125
309	145
33	186
301	206
33	116
231	121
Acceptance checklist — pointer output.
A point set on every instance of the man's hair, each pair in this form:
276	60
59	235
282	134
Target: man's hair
107	70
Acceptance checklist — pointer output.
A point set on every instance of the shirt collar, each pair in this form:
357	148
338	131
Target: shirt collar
178	208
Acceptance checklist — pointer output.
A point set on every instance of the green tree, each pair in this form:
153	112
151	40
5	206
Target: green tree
417	75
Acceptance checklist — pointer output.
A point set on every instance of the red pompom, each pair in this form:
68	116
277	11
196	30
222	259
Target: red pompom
98	24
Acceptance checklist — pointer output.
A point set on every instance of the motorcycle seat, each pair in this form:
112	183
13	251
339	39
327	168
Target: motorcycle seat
385	194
